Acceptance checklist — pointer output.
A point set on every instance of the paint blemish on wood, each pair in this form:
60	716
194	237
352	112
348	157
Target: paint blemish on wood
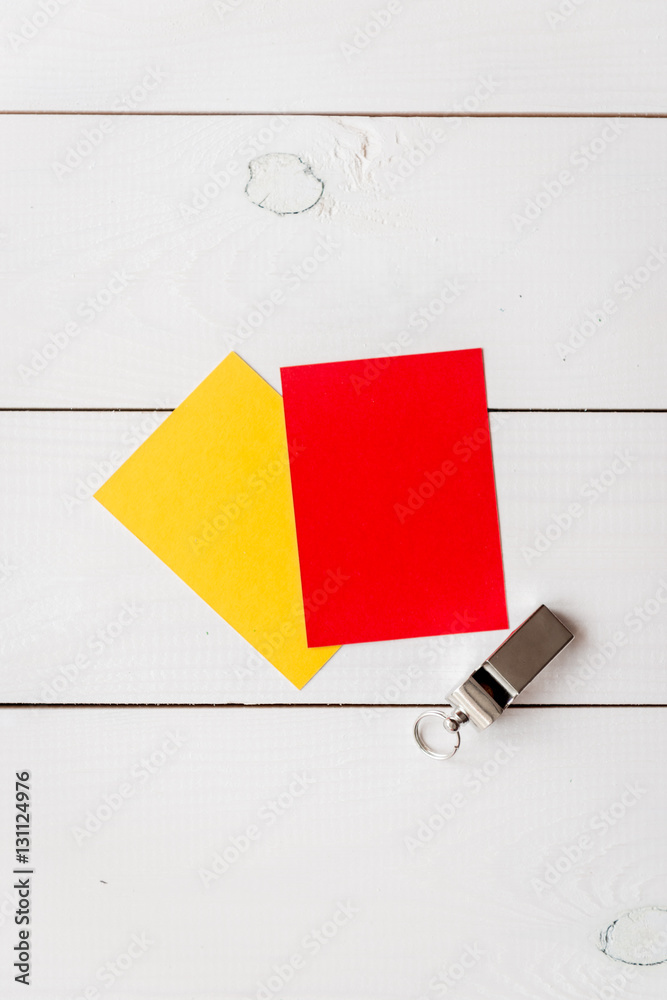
357	151
283	183
638	937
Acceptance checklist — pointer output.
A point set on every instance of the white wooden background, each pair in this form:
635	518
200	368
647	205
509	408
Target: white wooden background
493	175
501	819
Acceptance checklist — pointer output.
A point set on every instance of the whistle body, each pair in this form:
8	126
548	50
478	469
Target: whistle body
515	663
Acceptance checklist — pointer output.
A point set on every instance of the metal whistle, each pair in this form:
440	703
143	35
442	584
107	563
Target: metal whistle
488	691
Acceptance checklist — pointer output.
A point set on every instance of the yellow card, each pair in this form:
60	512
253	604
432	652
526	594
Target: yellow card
209	493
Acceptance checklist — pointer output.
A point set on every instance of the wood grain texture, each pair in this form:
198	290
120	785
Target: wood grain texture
434	862
128	277
92	616
334	55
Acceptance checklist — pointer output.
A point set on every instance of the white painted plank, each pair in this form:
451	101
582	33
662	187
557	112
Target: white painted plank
71	569
545	830
162	269
333	55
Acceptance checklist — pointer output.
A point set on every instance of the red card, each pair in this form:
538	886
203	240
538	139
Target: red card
394	497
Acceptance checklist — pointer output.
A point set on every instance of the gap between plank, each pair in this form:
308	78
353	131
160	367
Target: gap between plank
337	704
353	114
167	409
